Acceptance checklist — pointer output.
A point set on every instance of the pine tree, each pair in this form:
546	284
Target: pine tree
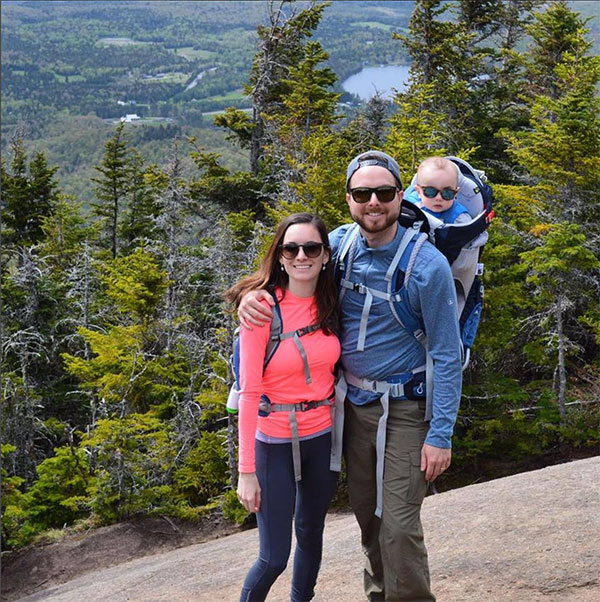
369	128
139	218
415	129
112	187
29	194
561	153
280	47
554	32
307	103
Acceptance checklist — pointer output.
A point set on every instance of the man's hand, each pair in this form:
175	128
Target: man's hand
252	311
434	460
248	491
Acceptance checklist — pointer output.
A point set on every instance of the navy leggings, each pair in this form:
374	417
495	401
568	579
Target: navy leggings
281	498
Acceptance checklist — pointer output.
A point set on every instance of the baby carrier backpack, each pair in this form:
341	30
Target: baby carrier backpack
462	244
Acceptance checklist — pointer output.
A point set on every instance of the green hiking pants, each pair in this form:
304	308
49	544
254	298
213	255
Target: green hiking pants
396	566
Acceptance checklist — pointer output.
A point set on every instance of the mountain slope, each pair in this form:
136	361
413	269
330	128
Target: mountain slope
526	538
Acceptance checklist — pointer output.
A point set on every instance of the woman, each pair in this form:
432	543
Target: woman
282	475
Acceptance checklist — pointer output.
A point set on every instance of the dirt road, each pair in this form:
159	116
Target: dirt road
531	537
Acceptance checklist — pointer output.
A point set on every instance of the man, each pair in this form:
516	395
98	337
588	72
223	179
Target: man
391	451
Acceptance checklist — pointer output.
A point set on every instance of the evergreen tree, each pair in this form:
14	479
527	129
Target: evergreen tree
64	232
369	128
557	31
29	194
414	129
112	187
561	153
139	217
217	189
307	102
280	47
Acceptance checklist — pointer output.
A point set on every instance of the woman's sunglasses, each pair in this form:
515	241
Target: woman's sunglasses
311	249
431	192
384	194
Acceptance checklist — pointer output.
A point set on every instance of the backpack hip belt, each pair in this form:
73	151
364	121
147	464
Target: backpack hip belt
395	385
267	407
388	388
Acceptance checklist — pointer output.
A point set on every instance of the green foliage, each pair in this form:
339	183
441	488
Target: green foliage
238	123
232	509
59	496
112	187
562	252
125	375
414	129
320	192
29	195
307	103
136	284
494	425
65	232
203	475
237	192
13	514
134	457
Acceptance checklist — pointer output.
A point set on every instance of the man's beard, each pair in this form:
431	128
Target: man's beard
390	219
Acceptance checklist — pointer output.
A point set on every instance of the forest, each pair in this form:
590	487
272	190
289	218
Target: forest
115	333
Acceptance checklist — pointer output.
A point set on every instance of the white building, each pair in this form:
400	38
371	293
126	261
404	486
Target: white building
130	117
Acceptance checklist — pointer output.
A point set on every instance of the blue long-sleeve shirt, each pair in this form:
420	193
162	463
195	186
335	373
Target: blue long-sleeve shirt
389	348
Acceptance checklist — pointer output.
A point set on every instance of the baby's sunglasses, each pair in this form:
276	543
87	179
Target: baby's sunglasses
431	192
385	194
290	250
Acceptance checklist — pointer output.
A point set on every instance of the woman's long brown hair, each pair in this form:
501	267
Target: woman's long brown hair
270	276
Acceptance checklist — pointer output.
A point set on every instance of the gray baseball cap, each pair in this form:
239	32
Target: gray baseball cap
373	157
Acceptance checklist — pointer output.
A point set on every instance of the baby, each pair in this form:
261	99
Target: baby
437	186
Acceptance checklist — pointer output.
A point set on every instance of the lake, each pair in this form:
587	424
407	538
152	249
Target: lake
377	79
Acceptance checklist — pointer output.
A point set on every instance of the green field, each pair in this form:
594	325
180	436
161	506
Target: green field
233	95
177	77
119	42
373	24
192	54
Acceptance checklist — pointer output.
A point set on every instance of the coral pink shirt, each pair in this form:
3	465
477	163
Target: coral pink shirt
283	380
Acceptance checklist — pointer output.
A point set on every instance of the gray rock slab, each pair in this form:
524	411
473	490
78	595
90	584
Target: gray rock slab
526	538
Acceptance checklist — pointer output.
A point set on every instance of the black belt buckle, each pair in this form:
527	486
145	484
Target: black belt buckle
302	331
309	405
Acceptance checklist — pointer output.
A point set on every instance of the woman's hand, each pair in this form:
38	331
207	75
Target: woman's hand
252	311
248	491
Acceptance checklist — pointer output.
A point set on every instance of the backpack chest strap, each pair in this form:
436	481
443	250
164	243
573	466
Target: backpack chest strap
371	293
295	336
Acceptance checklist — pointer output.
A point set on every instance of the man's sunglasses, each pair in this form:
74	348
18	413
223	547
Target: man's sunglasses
384	194
431	192
311	249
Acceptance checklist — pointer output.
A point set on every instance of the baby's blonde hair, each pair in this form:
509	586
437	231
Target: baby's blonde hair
437	163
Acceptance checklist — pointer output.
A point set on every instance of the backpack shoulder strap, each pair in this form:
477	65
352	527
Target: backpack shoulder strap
347	243
275	332
276	335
